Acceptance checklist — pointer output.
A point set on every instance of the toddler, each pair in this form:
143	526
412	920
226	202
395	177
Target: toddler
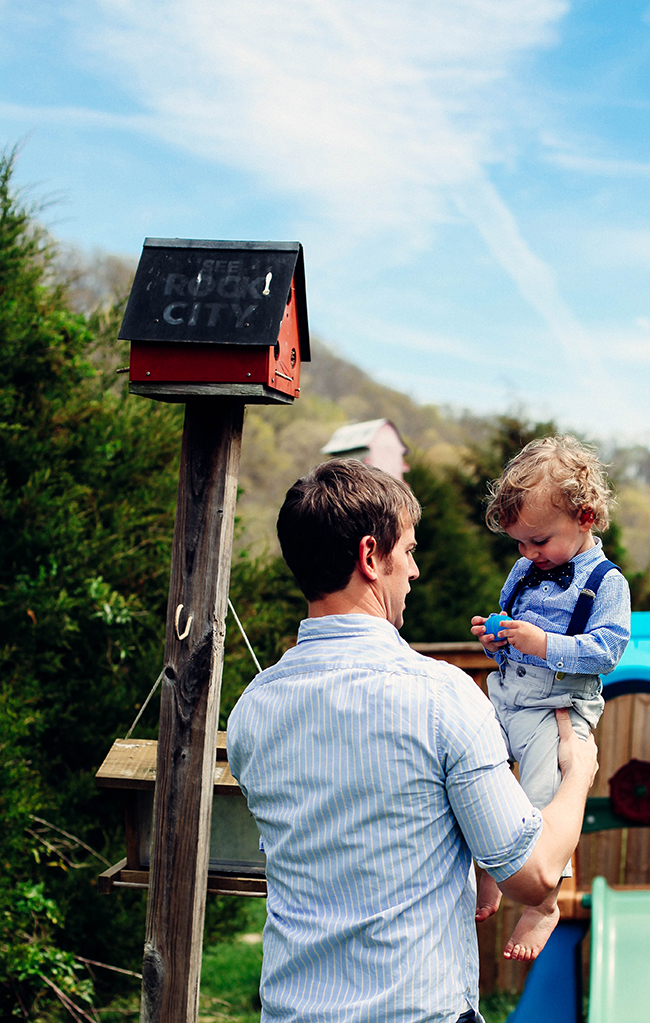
571	611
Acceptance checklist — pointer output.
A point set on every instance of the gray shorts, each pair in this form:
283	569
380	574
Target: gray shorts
525	698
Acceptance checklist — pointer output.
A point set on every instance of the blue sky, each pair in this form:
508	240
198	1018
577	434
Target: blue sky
470	178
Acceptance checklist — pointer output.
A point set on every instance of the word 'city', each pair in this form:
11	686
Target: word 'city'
221	277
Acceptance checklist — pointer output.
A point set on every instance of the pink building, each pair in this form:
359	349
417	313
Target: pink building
376	442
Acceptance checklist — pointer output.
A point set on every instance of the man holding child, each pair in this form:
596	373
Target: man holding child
375	775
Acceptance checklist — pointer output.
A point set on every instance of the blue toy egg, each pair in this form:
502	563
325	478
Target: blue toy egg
493	624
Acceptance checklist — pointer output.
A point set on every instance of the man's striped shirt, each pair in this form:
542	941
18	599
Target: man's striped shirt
374	774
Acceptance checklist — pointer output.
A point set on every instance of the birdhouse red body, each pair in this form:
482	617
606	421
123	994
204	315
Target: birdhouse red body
217	318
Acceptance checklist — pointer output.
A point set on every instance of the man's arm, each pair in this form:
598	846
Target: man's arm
562	819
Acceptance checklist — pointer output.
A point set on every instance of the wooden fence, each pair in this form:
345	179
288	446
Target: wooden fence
621	856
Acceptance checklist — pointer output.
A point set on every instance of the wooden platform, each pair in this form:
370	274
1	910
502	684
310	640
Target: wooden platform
131	764
119	876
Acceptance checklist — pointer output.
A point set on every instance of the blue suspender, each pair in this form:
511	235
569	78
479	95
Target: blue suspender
584	603
519	585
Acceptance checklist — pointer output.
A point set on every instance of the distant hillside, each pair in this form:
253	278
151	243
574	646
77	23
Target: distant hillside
360	398
282	443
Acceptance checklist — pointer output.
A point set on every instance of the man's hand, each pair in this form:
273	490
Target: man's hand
575	754
526	638
478	630
563	816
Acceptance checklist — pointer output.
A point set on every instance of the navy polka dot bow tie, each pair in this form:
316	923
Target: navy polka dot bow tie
562	575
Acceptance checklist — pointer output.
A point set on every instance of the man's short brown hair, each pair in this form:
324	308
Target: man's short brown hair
327	513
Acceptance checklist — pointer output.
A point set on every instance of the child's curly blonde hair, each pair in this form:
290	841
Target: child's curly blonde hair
569	471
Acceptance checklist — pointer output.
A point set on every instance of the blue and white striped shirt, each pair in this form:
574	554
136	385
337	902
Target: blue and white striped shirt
374	774
597	651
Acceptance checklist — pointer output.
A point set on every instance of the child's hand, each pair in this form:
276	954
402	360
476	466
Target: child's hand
526	638
478	629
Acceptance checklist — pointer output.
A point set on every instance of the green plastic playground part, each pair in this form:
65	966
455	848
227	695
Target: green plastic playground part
619	990
599	816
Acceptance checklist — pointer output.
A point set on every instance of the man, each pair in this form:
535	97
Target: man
374	775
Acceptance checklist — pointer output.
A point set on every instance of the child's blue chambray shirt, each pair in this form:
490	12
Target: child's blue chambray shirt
599	649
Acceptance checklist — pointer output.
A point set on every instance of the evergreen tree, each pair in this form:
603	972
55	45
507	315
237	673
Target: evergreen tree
87	484
88	480
495	442
457	576
499	440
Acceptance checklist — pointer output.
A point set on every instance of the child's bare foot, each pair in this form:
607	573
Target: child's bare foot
533	930
488	899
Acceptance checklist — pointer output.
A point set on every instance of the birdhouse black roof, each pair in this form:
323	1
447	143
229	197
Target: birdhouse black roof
216	292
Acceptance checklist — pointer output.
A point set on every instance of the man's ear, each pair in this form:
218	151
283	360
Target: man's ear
367	561
586	517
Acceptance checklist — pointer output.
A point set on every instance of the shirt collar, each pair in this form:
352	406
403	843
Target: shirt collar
592	553
346	626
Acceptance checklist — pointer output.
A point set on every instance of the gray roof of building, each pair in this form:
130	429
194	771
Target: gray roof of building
354	436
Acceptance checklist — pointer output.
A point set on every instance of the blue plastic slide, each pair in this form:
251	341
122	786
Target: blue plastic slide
553	990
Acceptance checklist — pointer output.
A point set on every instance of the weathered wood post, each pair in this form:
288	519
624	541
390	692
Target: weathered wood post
189	710
215	325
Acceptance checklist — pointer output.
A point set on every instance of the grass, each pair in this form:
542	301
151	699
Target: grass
497	1007
230	974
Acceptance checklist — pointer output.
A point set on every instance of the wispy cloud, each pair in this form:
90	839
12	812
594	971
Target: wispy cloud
380	115
382	331
599	166
615	246
85	117
366	108
534	278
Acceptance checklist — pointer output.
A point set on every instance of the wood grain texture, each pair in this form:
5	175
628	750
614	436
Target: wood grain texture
189	709
132	765
255	394
129	764
120	876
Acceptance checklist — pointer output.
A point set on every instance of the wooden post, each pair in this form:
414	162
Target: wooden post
189	710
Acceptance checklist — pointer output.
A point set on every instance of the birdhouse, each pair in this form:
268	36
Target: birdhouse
217	318
236	863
